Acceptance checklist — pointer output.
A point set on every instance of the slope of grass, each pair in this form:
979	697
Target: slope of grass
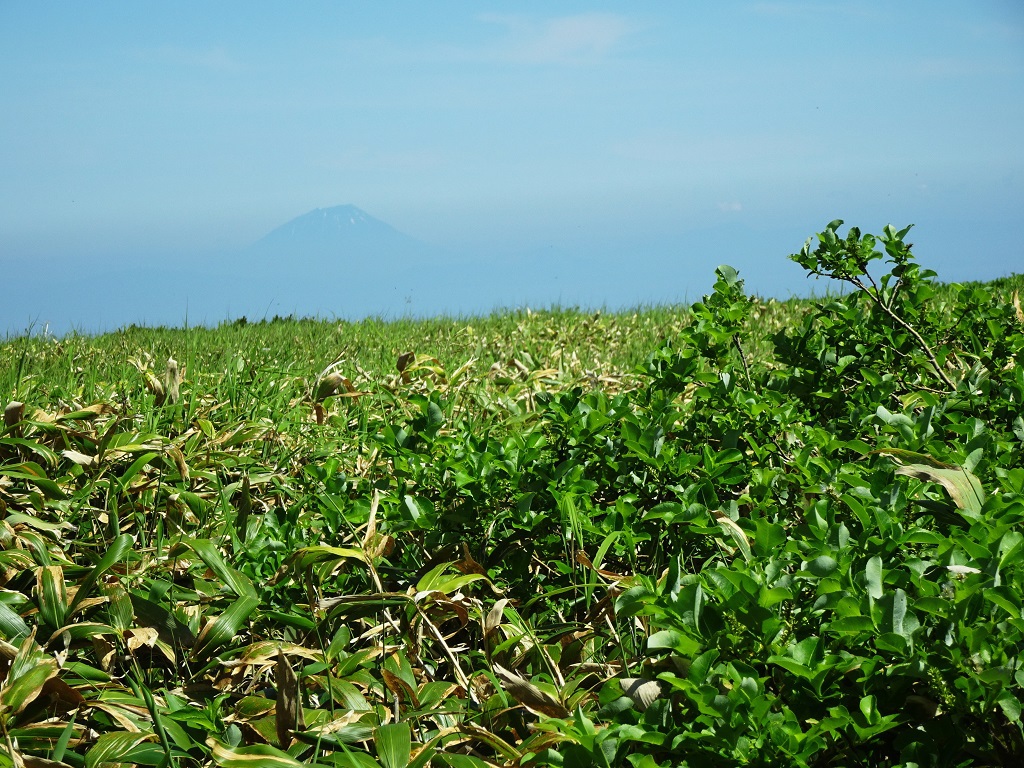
707	536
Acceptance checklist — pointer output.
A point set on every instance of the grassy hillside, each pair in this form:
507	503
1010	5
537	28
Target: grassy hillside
743	532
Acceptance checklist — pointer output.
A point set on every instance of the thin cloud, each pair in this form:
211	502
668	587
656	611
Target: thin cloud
564	39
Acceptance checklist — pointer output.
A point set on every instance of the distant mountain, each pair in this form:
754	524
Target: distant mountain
344	231
338	261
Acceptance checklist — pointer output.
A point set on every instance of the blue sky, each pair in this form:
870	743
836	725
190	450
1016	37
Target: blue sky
134	130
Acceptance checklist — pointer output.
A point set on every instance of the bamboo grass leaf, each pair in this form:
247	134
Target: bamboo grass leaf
962	486
119	547
52	595
44	452
19	518
30	669
120	607
135	467
738	534
244	509
259	756
116	747
435	580
36	475
529	695
394	744
64	739
239	583
220	630
960	483
12	626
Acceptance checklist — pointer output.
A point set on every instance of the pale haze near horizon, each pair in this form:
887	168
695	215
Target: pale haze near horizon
689	133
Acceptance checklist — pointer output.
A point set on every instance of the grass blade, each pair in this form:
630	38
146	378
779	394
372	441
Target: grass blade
222	629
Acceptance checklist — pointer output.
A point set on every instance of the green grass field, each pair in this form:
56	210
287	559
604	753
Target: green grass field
743	532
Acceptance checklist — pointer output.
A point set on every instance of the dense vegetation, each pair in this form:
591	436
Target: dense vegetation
747	533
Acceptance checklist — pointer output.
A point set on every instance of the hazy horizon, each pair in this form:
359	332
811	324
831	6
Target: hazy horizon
662	138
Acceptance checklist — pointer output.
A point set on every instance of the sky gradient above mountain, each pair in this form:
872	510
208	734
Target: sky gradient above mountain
692	132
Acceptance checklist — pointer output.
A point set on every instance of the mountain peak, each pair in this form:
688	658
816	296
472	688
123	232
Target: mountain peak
342	214
337	229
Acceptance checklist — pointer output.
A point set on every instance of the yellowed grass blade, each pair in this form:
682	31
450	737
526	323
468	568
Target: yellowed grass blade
529	695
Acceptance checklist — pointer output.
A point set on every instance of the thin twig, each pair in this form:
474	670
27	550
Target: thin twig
743	358
909	328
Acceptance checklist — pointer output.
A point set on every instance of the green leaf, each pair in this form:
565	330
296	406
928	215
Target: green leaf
1006	598
1010	705
822	566
671	639
222	629
851	625
808	651
52	595
873	577
394	744
435	416
115	747
700	668
239	583
421	511
28	674
892	643
259	756
790	665
436	580
899	611
12	626
119	547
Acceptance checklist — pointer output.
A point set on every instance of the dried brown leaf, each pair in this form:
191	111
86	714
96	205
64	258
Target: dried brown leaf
400	687
140	637
403	361
467	564
31	761
329	385
179	462
289	702
529	695
57	692
584	559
